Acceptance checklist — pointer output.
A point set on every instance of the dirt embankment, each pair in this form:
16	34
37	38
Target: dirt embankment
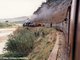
60	50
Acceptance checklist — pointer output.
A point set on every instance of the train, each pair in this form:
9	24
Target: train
73	28
33	24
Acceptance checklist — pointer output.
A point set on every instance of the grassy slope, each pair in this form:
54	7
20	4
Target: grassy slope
44	45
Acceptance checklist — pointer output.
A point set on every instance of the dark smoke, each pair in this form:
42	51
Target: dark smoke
48	10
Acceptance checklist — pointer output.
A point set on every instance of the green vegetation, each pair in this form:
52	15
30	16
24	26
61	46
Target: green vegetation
6	24
20	43
33	43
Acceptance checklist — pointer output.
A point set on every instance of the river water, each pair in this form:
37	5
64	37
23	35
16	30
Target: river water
4	37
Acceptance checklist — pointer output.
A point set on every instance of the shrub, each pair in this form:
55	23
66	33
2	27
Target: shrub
20	43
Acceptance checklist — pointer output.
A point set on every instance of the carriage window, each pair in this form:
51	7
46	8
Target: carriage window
35	29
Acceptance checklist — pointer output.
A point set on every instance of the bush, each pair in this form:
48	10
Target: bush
20	43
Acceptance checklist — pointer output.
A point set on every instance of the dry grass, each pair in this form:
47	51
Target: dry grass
44	45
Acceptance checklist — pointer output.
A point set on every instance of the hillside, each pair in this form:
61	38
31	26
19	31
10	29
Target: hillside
43	45
41	40
39	43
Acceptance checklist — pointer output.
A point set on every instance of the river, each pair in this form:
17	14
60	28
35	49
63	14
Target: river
4	32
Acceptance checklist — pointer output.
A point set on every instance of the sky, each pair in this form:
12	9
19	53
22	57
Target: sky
18	8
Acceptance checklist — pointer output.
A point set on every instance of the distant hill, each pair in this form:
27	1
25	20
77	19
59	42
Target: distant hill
16	20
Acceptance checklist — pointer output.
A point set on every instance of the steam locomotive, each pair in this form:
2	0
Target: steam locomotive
32	24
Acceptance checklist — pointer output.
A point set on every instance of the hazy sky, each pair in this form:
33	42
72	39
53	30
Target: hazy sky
17	8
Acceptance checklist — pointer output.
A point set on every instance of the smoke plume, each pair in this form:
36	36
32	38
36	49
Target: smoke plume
51	12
